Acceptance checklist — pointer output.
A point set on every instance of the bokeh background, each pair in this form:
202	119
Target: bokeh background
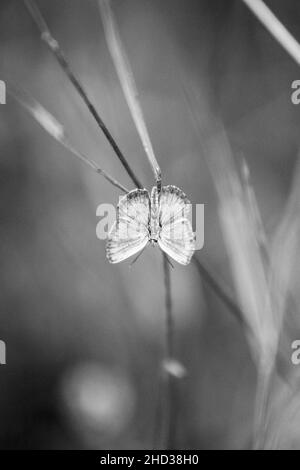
84	338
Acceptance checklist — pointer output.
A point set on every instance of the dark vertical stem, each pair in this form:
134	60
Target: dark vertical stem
168	305
169	352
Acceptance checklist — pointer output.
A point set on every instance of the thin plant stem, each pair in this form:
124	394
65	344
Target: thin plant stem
168	302
163	418
157	421
169	330
275	27
61	59
55	129
264	375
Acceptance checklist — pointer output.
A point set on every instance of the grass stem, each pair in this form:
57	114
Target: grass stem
60	57
55	129
169	354
275	27
264	375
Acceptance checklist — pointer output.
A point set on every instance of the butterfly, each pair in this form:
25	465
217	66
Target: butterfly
159	218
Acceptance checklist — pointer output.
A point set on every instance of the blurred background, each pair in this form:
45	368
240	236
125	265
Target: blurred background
85	338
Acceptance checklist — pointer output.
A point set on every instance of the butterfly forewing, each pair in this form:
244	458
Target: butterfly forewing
135	206
176	238
173	204
130	233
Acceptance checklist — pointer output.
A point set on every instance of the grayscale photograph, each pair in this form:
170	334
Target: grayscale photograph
149	229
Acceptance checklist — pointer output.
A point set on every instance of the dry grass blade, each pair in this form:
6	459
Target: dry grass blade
284	249
275	27
243	246
56	130
252	207
248	254
191	99
283	429
60	57
250	272
127	81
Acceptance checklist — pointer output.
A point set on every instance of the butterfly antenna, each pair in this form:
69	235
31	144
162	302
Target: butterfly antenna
137	257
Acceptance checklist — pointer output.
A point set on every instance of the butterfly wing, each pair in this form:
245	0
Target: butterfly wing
180	245
130	233
176	237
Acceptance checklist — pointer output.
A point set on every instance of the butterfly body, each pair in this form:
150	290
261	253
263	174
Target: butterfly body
154	217
159	218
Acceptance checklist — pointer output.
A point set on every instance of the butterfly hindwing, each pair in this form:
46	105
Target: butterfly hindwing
178	241
129	234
